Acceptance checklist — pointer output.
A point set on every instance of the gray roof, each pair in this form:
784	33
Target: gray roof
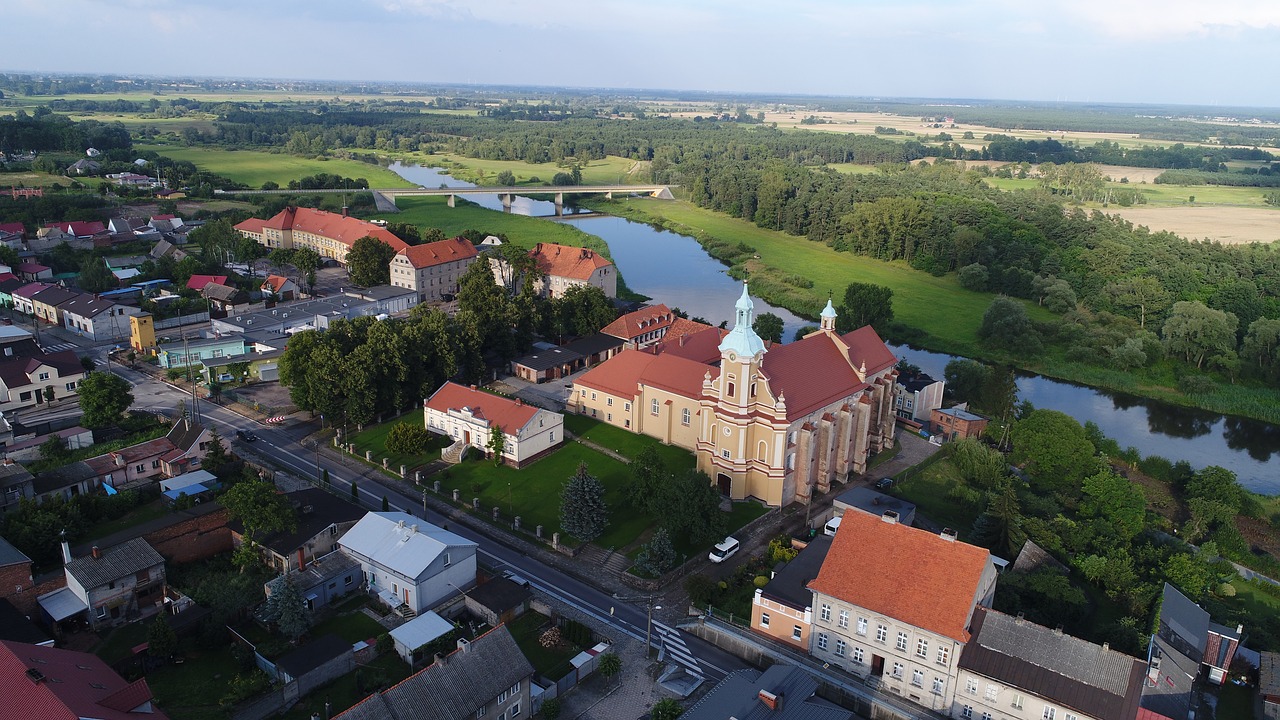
1075	673
1032	557
10	555
13	474
184	434
738	696
1183	624
400	542
791	583
876	503
127	558
916	383
225	293
500	595
546	359
62	477
86	306
306	658
454	687
592	344
378	292
961	414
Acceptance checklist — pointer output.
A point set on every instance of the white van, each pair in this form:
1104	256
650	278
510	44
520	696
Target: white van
724	550
832	526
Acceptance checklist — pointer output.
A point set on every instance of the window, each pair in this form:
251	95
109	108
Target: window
730	391
882	633
348	581
897	670
902	641
857	655
725	453
844	618
626	406
155	464
764	620
609	402
795	632
593	396
685	417
25	396
141	467
937	686
608	417
986	716
862	626
514	711
515	690
971	686
1050	713
966	712
753	389
1070	716
944	656
922	648
102	611
917	678
447	561
44	376
71	386
653	406
840	646
991	692
1017	701
822	641
825	613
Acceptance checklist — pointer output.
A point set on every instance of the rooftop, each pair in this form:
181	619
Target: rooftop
439	252
52	684
791	583
566	261
315	510
127	558
510	415
400	542
782	692
342	228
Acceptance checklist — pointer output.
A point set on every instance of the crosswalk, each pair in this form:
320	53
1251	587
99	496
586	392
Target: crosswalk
673	648
60	347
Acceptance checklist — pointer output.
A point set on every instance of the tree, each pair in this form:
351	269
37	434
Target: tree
407	438
1054	448
259	507
658	555
666	709
1000	526
1189	573
648	474
688	505
769	327
583	513
215	458
497	444
287	608
103	399
1198	332
1114	499
1006	326
966	379
1261	347
162	641
866	304
610	665
55	448
973	277
1217	484
506	178
96	277
369	262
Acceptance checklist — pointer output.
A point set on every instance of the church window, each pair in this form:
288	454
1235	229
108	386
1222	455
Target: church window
730	390
753	389
762	451
653	406
685	417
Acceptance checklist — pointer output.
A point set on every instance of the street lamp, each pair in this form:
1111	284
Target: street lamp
648	631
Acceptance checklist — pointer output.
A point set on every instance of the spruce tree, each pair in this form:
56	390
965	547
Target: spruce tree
583	513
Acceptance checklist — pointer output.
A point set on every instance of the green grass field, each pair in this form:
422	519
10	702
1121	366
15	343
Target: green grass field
522	230
853	168
255	167
612	170
928	490
39	179
374	438
553	662
1160	195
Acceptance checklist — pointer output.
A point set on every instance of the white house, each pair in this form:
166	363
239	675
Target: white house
432	270
918	396
38	378
408	563
469	416
97	319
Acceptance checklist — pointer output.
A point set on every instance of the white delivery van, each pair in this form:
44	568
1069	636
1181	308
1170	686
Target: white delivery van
832	525
724	550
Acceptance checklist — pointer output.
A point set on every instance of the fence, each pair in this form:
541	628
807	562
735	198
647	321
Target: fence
181	320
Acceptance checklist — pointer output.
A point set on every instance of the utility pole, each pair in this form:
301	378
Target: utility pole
648	630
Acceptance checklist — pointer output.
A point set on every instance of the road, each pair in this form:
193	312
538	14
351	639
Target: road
283	446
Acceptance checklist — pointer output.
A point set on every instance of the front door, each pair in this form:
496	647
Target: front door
466	436
725	483
877	666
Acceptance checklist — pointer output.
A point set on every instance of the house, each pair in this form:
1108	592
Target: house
164	248
322	519
330	235
119	583
918	396
1269	684
129	179
783	692
409	564
66	482
388	299
38	378
783	609
224	299
471	417
692	341
320	661
1013	668
79	228
546	364
22	297
198	282
875	503
132	466
561	267
8	283
306	315
33	272
324	579
280	287
432	269
485	678
770	423
191	441
596	348
956	423
16	485
84	167
264	366
46	682
1187	648
182	354
412	638
16	580
73	438
127	261
122	225
96	318
902	630
167	223
498	601
47	303
13	228
18	627
642	328
16	342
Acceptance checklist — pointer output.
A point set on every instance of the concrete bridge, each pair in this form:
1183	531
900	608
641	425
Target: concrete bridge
386	197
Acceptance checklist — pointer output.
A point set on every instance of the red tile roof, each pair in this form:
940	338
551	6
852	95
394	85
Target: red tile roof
33	268
12	228
509	415
197	282
644	320
692	340
622	375
793	368
27	291
939	592
439	252
253	225
79	228
342	228
275	282
72	685
566	261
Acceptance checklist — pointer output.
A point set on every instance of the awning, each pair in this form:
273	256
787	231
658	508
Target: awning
62	604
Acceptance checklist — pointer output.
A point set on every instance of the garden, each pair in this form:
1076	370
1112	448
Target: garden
376	437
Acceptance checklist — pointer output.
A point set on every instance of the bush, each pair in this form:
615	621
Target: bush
1227	590
701	589
761	580
551	709
385	644
407	439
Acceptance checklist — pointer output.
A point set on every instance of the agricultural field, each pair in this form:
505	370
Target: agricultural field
255	167
39	179
1227	225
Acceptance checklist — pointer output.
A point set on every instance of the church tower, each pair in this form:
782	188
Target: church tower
828	317
740	354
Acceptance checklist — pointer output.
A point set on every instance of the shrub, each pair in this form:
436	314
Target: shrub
761	580
407	439
700	589
1227	590
551	709
385	644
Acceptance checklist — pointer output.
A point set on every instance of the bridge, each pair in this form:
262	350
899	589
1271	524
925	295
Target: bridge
386	197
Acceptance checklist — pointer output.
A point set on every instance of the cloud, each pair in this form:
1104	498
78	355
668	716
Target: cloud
1168	20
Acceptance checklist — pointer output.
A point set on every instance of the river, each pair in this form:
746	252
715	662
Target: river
673	269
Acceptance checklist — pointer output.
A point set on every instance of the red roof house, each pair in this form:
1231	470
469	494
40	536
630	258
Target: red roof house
79	228
470	416
52	684
197	282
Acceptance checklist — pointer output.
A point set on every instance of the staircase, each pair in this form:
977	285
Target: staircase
611	561
454	453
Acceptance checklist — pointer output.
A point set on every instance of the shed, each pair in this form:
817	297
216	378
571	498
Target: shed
412	637
199	477
498	601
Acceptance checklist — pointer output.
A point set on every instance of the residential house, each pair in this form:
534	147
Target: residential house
66	482
129	179
596	348
875	503
783	692
191	441
783	609
12	231
280	288
46	682
164	248
330	235
224	299
1187	648
547	363
127	262
84	167
47	303
38	378
8	283
409	564
96	318
132	466
471	416
264	366
22	297
322	519
16	342
498	601
79	228
123	225
182	354
34	272
1269	684
16	485
167	223
642	328
770	423
487	678
901	630
1012	668
119	583
25	451
918	396
561	267
432	269
411	640
198	282
320	661
16	580
956	423
324	579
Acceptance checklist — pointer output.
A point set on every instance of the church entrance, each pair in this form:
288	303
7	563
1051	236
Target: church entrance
725	483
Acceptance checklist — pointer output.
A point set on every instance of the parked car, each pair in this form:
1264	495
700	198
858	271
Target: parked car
884	483
724	550
246	435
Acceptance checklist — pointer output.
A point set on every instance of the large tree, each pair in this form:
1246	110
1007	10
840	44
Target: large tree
369	262
866	304
96	277
1198	332
1006	326
103	399
688	505
1143	296
1054	448
1261	348
260	507
769	327
287	608
583	513
1115	500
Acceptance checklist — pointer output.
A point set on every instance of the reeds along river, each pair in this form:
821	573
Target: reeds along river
673	269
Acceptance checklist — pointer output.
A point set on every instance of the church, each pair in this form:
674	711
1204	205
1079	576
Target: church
767	422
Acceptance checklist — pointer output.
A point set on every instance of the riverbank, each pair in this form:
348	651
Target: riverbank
945	315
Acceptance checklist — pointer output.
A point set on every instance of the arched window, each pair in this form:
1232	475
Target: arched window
762	451
753	389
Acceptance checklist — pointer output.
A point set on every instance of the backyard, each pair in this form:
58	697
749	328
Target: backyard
551	663
929	488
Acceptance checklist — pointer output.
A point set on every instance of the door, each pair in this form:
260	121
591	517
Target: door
725	483
877	666
466	436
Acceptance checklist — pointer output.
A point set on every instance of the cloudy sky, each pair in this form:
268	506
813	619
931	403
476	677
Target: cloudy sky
1219	52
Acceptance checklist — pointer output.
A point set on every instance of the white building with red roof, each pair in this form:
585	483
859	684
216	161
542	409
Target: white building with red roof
644	327
471	416
561	267
766	422
331	235
432	269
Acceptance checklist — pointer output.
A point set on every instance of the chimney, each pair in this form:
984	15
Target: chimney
948	534
463	645
66	553
1240	629
770	700
890	517
345	211
97	554
1106	646
401	525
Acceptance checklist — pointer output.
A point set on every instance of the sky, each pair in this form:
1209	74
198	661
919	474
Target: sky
1199	52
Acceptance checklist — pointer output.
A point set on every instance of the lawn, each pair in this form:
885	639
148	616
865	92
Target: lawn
928	491
627	444
118	644
191	690
551	663
143	513
374	438
1160	195
353	627
255	167
1234	701
39	179
351	688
